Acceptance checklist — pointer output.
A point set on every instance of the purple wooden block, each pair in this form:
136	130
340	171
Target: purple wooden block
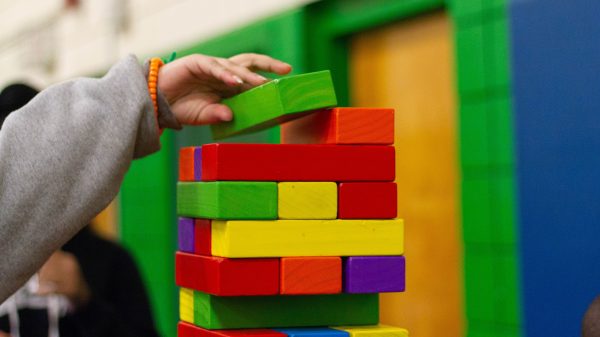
374	274
198	163
186	235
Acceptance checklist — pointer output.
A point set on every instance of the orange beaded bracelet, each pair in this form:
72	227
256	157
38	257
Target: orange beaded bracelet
155	64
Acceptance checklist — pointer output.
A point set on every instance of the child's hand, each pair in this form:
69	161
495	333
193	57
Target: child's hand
194	85
61	274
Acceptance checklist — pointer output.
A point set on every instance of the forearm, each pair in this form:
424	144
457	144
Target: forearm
62	159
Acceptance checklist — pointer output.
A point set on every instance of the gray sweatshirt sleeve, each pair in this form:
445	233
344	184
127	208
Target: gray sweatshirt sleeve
63	157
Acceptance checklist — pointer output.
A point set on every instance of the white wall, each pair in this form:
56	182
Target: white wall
41	42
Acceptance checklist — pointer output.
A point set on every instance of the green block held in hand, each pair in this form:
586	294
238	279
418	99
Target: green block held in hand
276	102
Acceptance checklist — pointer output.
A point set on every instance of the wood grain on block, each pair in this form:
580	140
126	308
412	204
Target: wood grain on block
367	200
227	277
313	332
227	200
202	237
294	162
374	331
311	275
190	330
224	312
307	238
307	200
342	126
185	234
275	102
374	274
190	163
186	305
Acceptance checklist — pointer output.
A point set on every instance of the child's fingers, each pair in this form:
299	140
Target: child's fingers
248	76
211	66
259	62
213	113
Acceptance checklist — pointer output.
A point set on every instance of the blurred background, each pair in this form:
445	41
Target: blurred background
497	135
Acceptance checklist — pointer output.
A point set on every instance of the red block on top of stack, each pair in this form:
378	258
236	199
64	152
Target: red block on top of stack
342	126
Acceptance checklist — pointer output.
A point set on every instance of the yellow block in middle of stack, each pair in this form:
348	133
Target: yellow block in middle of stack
276	238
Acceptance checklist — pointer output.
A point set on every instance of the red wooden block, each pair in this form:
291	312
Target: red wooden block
186	164
227	277
202	237
292	162
342	126
367	201
189	330
311	275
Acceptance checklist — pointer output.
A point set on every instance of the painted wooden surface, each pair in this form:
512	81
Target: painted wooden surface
190	330
374	274
374	331
223	312
409	66
227	200
314	332
202	240
367	201
307	200
311	275
186	305
276	101
227	277
291	162
189	163
342	125
186	235
307	238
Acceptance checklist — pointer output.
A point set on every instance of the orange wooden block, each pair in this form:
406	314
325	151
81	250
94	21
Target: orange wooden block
342	126
186	163
311	275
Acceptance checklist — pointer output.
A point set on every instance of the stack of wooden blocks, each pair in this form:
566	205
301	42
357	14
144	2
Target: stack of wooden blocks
290	239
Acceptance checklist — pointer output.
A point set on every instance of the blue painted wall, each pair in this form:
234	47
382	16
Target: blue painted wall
556	73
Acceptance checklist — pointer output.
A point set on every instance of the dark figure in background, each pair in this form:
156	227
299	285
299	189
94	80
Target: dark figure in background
91	287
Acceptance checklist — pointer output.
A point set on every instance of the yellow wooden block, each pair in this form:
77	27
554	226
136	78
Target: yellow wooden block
373	331
186	305
307	200
273	238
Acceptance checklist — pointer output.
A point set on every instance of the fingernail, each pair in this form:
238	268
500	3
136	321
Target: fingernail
238	79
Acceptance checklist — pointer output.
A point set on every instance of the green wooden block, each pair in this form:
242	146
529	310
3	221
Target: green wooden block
227	200
479	284
275	102
470	59
474	135
224	312
476	211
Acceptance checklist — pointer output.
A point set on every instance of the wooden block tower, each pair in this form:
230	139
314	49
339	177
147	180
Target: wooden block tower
294	239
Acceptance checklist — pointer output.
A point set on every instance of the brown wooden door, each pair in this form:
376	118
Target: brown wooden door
410	66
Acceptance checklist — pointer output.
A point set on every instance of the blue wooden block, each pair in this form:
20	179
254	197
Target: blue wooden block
313	332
